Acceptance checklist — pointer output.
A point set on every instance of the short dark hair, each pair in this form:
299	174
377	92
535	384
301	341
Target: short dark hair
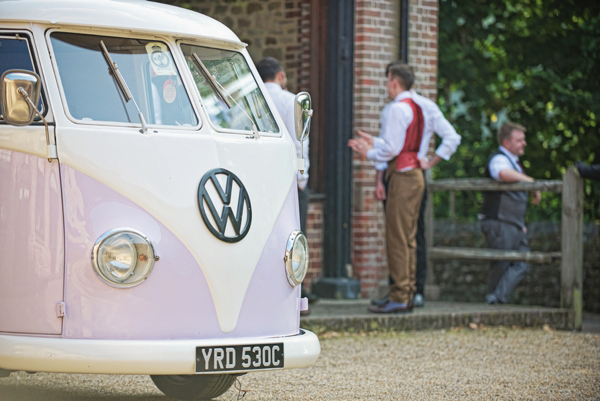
506	130
403	72
268	68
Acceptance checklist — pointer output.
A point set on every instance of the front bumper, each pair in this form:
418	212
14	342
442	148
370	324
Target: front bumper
151	357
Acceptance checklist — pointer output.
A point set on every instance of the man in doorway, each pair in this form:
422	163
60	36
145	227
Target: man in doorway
273	75
503	212
402	125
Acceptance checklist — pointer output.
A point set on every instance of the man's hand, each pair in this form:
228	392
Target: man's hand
360	145
426	164
366	137
537	197
379	190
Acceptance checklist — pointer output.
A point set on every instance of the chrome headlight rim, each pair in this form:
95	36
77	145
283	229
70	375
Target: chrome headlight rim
289	249
103	239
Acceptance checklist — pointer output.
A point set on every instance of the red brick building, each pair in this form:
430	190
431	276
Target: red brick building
337	50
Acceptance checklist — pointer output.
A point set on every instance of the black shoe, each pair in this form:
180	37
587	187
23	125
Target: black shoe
492	299
312	298
381	301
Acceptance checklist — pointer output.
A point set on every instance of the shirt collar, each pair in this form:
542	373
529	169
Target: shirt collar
273	85
509	154
402	95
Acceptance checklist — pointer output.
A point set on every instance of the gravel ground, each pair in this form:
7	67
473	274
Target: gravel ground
459	364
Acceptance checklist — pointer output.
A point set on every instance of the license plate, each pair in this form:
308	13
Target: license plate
239	357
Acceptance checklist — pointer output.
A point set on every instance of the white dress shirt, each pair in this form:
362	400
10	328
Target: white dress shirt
435	122
284	102
502	162
395	119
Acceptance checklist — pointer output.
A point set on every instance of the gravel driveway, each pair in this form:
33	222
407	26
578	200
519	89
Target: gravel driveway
460	364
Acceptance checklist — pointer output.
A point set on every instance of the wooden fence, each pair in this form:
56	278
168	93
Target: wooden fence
571	253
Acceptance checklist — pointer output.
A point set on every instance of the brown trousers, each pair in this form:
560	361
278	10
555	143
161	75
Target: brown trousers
404	194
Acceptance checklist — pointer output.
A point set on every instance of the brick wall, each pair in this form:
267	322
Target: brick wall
423	45
378	43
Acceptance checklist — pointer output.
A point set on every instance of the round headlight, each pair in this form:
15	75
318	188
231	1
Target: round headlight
296	258
123	257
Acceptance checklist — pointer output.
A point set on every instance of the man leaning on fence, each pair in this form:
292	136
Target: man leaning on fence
503	213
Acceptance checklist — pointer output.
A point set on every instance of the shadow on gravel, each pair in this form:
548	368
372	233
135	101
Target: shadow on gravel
19	393
20	386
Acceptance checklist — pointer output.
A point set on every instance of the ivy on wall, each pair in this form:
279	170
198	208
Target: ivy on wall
534	62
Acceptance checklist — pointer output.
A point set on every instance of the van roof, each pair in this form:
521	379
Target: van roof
134	15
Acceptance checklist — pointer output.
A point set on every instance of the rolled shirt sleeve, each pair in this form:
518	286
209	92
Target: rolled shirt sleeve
450	138
436	123
497	164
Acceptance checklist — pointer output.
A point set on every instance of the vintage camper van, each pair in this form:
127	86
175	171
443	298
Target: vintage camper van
148	203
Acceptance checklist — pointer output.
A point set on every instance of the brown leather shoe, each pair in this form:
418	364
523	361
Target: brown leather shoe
393	307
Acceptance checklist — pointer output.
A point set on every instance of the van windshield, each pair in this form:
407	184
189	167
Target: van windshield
232	73
147	67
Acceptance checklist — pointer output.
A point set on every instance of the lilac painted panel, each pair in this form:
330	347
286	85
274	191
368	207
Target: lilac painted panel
31	244
175	301
269	299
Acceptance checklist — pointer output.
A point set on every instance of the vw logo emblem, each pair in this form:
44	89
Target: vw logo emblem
221	189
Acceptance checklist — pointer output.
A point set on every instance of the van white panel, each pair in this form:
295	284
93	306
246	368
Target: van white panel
24	139
161	172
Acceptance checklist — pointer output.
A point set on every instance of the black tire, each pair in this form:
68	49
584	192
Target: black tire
193	387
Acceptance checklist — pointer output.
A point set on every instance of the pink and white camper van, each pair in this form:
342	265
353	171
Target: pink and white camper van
148	204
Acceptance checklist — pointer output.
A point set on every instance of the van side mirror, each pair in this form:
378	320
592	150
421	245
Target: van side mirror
302	115
19	90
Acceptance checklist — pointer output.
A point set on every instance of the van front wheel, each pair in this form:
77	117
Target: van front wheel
193	387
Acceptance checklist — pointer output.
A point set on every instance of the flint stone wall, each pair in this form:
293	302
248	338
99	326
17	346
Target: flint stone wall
466	280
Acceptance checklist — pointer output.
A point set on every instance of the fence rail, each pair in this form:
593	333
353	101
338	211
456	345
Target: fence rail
487	184
571	254
441	252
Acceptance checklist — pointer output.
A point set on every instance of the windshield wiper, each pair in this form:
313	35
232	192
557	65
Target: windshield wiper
122	84
212	82
222	92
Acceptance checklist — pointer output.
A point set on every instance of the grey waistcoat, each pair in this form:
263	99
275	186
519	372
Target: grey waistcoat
507	206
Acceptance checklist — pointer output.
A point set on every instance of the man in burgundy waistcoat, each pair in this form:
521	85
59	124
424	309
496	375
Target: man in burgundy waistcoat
398	145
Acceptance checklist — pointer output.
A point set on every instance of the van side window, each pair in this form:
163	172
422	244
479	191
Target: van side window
147	67
15	54
233	75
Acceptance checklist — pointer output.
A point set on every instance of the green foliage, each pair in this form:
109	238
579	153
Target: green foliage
534	62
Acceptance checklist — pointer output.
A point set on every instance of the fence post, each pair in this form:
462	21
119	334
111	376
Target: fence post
432	290
452	211
572	245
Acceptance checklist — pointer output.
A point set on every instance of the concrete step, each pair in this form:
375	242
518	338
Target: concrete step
352	316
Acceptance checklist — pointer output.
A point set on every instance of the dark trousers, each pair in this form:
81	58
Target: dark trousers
504	274
421	245
303	206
